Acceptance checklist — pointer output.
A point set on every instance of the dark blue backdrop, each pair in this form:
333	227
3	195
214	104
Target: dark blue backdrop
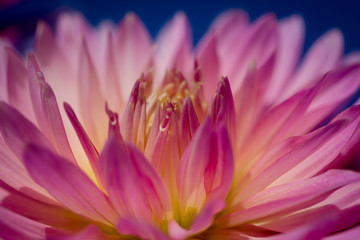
319	15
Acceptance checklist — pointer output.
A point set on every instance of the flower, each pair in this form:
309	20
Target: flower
151	142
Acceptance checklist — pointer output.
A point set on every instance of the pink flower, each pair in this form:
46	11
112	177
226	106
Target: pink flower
152	142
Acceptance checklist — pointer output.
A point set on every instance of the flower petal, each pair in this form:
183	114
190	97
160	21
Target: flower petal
323	55
295	158
14	175
91	232
58	71
89	148
174	47
133	51
201	222
140	229
68	184
209	65
134	187
291	38
47	110
350	234
273	128
189	123
17	131
17	85
289	197
14	226
259	45
205	172
313	230
89	92
55	216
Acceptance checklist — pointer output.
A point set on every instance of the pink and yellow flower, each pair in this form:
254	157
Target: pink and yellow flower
150	141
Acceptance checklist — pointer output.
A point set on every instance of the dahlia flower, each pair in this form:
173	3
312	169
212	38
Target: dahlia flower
107	134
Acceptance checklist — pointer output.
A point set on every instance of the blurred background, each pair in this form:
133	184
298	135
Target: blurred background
319	15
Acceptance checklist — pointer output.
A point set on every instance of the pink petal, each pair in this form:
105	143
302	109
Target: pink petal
86	143
324	54
47	110
71	28
133	122
17	85
229	23
313	230
201	222
174	47
94	117
114	95
221	109
14	174
320	147
345	80
17	131
14	227
153	132
350	234
133	51
134	187
91	232
57	70
68	184
4	44
259	45
46	49
45	213
228	234
296	220
291	38
275	126
249	98
189	123
289	197
205	173
165	153
326	155
229	28
140	229
209	65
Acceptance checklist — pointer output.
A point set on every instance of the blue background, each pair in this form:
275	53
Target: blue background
319	16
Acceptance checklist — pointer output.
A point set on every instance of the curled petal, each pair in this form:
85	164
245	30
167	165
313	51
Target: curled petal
47	110
205	171
134	187
189	123
201	222
16	84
